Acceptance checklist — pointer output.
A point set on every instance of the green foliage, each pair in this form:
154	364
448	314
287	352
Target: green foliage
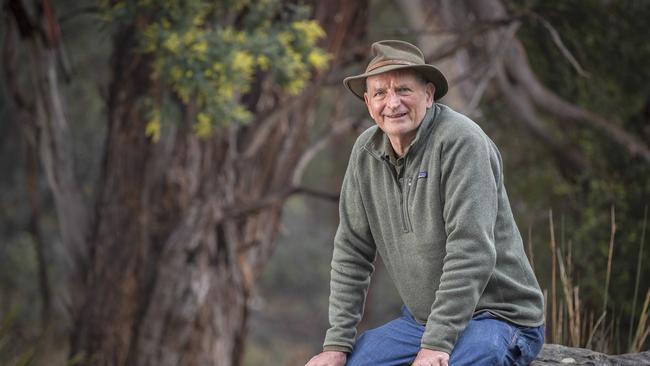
209	52
609	40
610	43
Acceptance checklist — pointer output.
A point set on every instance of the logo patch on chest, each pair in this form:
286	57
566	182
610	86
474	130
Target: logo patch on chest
422	174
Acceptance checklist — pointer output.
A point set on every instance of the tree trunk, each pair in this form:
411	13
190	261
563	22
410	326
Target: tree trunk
180	237
46	122
25	114
169	275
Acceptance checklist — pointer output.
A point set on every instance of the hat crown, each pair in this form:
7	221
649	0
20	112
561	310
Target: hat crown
391	55
394	52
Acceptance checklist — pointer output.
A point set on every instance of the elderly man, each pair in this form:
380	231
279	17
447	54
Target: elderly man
424	189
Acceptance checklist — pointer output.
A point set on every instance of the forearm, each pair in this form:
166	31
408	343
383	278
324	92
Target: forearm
350	277
463	280
470	181
352	264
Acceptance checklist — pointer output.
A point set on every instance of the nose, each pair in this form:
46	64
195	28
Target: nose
393	100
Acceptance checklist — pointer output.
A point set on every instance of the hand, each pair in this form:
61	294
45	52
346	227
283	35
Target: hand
328	358
428	357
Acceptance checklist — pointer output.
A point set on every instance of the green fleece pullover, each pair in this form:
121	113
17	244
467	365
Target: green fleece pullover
444	230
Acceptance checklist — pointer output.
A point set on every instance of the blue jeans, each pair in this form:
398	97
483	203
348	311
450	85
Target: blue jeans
487	340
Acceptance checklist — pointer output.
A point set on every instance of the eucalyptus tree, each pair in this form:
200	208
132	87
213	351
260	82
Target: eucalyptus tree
208	114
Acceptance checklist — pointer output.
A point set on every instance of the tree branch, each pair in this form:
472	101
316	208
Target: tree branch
269	121
522	107
555	36
519	67
496	60
309	154
276	198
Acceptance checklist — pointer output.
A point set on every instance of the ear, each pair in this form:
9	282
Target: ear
430	91
366	99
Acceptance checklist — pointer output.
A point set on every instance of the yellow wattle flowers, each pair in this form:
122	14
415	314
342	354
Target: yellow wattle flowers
311	30
244	63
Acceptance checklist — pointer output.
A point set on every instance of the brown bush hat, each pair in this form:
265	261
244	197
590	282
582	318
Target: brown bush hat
392	55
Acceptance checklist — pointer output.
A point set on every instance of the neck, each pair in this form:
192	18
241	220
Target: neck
401	144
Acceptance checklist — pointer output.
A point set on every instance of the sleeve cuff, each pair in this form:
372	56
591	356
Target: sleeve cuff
339	348
436	348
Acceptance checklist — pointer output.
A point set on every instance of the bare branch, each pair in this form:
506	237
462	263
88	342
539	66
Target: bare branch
467	37
555	36
519	67
276	198
309	154
492	68
327	196
268	123
522	107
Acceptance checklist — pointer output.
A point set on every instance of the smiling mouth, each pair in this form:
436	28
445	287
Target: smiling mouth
398	115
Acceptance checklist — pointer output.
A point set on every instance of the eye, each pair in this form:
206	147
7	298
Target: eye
403	90
379	93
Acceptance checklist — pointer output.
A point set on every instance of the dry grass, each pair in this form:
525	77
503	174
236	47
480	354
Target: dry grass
554	318
643	328
637	281
571	324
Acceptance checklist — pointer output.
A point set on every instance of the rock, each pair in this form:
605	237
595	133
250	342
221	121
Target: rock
553	354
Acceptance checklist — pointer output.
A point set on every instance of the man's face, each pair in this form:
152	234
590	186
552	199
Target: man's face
397	101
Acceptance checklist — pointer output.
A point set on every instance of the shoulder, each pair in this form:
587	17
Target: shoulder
458	136
365	139
454	127
366	136
359	155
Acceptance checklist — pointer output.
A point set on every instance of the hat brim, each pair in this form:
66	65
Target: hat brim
357	84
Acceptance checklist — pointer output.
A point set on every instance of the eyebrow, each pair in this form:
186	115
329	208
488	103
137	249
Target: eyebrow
419	78
384	87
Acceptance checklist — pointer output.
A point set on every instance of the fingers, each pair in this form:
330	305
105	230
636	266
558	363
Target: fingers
430	363
328	358
427	357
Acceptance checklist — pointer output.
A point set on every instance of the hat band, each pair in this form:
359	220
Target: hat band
389	62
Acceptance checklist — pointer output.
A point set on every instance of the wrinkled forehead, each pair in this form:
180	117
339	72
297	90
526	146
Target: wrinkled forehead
394	77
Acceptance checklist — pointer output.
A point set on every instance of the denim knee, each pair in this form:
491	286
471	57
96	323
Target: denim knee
478	353
529	344
395	343
492	341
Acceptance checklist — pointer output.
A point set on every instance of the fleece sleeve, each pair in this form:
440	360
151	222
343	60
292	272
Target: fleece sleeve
352	266
470	179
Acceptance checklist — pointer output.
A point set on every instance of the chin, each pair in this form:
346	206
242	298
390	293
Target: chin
402	125
398	125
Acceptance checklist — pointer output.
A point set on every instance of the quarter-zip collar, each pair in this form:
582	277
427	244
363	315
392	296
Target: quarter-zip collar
377	145
391	156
